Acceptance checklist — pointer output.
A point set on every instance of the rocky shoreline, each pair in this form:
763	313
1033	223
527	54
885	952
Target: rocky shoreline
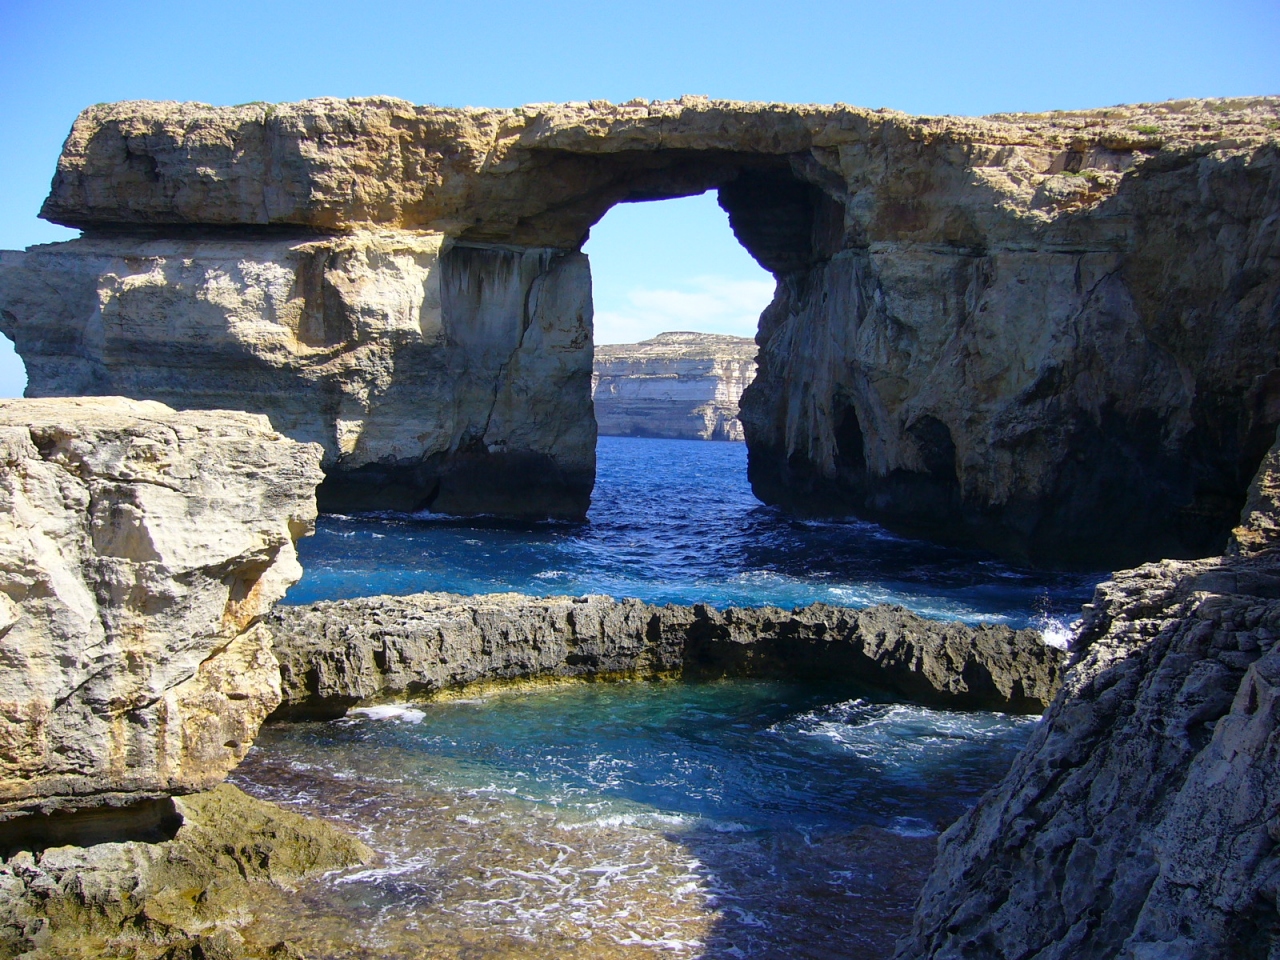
338	654
1029	333
1108	837
1142	819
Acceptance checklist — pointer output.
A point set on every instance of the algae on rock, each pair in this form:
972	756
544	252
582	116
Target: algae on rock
188	897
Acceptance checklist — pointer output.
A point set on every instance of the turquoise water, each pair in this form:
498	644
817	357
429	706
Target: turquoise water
738	818
674	521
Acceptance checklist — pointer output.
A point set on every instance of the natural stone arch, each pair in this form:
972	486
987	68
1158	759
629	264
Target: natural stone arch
1055	336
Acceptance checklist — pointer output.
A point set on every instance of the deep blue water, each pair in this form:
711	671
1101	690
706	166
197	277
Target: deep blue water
674	521
737	755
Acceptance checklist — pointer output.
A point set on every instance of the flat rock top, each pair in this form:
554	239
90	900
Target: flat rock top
690	121
542	173
114	413
681	345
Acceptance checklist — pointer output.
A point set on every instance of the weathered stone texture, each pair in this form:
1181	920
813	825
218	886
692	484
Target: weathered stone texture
188	895
1142	818
139	549
431	374
684	386
1052	335
1082	394
335	654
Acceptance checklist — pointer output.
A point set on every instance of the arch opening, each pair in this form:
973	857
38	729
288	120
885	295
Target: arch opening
677	301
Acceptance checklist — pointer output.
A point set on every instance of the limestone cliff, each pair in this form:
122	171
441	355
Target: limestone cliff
139	549
336	654
681	385
1143	817
435	376
1051	335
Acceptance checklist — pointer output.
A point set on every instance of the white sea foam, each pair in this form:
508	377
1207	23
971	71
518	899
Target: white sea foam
396	868
1057	632
614	820
389	712
912	827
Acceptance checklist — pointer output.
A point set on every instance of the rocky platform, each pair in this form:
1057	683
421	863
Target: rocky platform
685	386
186	896
1051	335
1142	819
336	654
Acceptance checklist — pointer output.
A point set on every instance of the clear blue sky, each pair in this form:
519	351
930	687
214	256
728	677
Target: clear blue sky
926	57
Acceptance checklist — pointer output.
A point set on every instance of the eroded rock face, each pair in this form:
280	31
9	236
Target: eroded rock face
1050	335
139	549
685	386
190	895
1141	820
434	376
335	654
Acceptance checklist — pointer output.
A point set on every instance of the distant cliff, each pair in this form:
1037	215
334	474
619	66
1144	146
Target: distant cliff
680	385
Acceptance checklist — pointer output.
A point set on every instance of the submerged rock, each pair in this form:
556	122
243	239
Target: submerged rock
139	549
684	386
336	654
1142	819
1052	335
183	898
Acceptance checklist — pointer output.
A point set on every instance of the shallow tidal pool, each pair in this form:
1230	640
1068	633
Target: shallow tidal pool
732	819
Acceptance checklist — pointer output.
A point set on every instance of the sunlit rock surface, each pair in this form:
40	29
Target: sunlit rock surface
334	654
139	549
1141	820
1050	335
441	377
684	386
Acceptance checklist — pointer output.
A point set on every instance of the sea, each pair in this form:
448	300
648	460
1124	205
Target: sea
736	819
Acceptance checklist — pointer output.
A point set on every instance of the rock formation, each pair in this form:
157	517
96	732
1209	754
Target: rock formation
680	385
1143	817
335	654
188	895
432	374
1051	335
139	549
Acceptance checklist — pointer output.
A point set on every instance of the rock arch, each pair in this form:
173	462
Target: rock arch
1080	310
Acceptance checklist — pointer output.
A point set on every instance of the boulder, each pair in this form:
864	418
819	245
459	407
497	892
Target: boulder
140	548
